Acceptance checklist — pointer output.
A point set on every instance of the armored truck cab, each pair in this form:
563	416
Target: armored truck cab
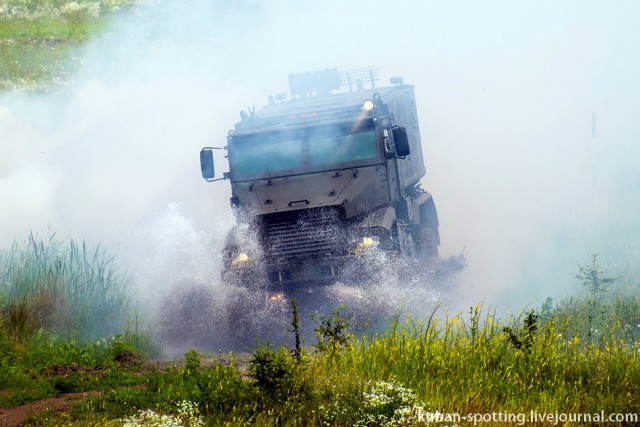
322	180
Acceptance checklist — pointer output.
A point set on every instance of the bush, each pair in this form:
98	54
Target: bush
273	371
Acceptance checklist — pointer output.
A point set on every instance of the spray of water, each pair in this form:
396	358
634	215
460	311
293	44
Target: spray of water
524	178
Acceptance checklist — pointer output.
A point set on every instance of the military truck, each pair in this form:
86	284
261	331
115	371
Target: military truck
322	180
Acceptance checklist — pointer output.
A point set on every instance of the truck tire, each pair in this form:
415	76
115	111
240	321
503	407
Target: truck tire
428	243
428	235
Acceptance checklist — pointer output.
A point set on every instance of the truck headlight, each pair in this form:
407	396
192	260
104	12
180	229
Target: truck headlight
241	259
368	105
365	243
276	297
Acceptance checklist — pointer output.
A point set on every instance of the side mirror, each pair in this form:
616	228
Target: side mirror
401	141
206	163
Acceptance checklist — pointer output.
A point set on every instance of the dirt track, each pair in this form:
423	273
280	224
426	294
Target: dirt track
13	417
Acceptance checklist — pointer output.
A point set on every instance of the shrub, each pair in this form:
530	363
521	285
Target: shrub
331	331
273	371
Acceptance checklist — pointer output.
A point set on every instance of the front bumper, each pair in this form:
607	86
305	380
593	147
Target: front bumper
297	273
307	271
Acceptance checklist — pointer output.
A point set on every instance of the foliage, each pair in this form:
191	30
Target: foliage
74	10
331	331
593	278
295	324
607	307
525	339
597	284
459	371
215	389
63	321
51	366
393	378
275	372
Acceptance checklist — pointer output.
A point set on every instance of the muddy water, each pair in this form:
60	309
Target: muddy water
221	319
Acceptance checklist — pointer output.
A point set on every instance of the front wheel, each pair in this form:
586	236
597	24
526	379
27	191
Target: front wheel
427	242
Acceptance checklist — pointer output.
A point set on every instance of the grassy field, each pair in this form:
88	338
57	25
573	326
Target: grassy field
580	356
40	40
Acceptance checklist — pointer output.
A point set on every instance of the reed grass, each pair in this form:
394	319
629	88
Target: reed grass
70	290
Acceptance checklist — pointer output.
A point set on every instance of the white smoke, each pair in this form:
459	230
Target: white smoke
506	95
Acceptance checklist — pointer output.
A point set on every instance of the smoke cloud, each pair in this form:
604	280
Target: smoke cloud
528	115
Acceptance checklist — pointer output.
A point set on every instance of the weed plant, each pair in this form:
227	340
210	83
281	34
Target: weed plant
607	308
217	391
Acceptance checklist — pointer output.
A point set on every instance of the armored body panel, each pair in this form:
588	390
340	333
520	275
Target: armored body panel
320	178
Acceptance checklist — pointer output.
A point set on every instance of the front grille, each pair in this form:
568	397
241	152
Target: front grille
303	235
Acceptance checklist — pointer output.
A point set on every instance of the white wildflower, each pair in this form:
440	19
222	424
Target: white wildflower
187	416
93	9
72	8
389	404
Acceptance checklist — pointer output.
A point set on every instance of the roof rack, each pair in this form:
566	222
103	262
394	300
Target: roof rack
359	76
324	81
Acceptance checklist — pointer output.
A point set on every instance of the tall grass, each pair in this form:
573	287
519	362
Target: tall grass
64	316
70	290
471	365
574	358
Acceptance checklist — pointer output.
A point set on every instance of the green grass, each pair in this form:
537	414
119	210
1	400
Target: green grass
457	368
578	356
40	41
464	364
53	366
581	355
66	323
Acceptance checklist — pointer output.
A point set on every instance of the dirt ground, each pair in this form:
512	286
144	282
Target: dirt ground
14	417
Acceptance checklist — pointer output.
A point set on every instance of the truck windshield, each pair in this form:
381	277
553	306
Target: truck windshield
269	152
314	148
326	147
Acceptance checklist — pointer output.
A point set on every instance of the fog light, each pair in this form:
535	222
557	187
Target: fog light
239	260
276	297
366	242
